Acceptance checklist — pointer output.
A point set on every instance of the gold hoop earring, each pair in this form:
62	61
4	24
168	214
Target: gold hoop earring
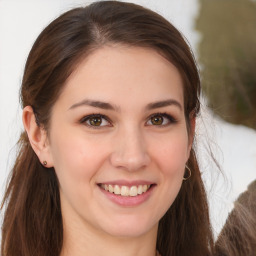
44	163
189	175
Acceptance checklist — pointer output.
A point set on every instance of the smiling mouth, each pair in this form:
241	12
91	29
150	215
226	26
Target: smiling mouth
125	190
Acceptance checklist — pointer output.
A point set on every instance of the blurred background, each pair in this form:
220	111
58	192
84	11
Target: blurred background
222	34
227	53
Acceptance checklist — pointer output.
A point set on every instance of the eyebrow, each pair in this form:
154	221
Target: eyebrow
108	106
164	103
94	103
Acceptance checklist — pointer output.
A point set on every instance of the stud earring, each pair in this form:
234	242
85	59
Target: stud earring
44	163
189	174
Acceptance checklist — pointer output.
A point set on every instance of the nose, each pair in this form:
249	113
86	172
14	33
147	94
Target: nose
130	151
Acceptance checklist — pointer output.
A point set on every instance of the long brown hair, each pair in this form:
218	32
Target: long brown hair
33	221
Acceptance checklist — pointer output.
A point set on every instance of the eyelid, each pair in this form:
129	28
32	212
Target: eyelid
87	117
171	119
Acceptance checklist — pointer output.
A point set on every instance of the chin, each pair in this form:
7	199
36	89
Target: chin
128	229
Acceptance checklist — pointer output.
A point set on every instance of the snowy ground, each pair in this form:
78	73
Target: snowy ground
234	149
234	146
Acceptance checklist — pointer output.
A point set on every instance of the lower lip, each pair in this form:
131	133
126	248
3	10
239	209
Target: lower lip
128	201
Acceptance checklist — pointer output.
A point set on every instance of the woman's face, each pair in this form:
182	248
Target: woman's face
118	141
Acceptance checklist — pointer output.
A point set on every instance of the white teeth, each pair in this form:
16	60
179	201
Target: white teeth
133	191
117	190
125	190
144	188
110	188
140	189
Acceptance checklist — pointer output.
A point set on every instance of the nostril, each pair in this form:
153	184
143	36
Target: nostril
130	162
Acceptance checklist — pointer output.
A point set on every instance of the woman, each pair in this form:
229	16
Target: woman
107	166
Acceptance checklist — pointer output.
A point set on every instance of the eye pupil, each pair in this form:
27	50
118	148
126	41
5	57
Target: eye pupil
95	121
157	120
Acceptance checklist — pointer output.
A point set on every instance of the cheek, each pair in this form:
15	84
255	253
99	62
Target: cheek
77	162
172	155
171	160
77	159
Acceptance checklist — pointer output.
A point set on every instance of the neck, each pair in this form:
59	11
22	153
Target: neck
83	240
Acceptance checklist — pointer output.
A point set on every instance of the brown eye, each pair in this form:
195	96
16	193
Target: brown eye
95	121
161	119
157	120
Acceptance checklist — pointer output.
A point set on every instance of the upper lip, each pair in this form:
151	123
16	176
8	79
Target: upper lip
127	183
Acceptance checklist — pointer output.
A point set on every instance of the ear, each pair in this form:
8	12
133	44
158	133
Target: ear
37	136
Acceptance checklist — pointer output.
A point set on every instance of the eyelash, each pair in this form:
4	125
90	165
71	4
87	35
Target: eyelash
171	120
86	118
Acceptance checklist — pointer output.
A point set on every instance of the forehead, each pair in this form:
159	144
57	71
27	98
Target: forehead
123	73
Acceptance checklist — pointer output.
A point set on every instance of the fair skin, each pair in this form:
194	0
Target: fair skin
117	127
